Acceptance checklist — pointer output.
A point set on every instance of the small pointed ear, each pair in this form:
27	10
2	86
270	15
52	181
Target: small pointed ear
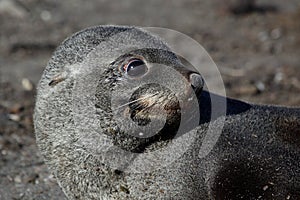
57	79
197	82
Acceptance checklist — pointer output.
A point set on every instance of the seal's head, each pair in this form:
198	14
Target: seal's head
130	80
152	94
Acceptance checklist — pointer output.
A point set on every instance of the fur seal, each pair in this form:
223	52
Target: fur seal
256	156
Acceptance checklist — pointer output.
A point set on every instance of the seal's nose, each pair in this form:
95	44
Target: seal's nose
196	81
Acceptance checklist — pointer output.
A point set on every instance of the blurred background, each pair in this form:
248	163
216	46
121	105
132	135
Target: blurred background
255	44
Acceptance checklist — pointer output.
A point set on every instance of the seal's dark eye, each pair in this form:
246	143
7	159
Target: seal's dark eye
135	68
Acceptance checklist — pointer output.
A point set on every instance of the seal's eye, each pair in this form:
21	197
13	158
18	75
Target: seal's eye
135	68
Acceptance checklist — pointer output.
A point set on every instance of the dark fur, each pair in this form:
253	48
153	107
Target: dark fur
256	156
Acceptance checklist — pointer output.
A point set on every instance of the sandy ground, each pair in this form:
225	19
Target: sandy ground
257	52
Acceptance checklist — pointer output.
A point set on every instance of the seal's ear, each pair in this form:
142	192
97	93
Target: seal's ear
61	76
197	82
57	79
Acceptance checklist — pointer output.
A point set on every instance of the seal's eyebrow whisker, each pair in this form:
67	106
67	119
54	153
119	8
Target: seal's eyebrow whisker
136	100
122	79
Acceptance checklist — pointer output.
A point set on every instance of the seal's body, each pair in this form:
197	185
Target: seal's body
94	115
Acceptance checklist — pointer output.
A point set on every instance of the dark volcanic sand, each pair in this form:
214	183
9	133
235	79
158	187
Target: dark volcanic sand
257	53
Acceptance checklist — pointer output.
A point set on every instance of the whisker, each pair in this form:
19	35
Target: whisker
145	97
125	81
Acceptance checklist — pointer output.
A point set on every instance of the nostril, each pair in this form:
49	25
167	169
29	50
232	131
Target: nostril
196	81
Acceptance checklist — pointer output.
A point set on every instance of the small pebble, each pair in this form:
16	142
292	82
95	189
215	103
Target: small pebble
14	117
3	152
18	179
260	86
27	85
278	77
46	15
265	188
